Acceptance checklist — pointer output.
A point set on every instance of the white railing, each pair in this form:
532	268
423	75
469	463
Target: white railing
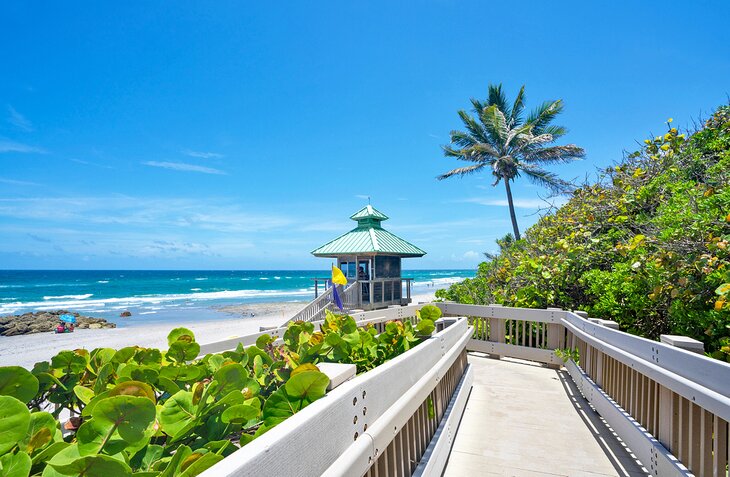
397	419
315	310
670	406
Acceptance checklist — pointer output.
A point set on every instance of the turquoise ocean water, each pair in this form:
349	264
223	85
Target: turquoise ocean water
160	296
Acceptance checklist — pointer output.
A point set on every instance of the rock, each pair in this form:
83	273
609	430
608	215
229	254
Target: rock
94	326
125	314
45	321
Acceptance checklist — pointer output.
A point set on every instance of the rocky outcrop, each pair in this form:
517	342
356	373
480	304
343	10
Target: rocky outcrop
45	321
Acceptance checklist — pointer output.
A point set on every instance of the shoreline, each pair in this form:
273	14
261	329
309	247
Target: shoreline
234	321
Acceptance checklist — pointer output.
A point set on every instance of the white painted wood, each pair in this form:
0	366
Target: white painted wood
503	312
655	457
684	342
311	440
434	460
337	372
513	351
703	381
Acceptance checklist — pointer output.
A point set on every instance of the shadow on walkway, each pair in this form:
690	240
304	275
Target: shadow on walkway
616	451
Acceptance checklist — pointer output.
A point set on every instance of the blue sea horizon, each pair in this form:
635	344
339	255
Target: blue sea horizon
154	296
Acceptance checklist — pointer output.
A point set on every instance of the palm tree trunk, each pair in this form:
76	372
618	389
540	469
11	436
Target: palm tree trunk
511	204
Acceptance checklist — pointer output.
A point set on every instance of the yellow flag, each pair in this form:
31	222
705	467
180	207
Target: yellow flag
338	277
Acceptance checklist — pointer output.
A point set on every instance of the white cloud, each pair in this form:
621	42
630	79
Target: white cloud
17	182
201	154
12	146
182	166
147	213
19	121
472	255
468	256
362	196
87	163
521	203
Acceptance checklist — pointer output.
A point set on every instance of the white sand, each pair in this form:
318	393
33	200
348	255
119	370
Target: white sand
26	350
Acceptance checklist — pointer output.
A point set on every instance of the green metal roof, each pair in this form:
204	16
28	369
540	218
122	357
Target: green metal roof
368	238
368	212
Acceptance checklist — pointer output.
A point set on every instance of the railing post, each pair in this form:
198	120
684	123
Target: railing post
684	342
497	331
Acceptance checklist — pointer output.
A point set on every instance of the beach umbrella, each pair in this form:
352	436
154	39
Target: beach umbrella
68	318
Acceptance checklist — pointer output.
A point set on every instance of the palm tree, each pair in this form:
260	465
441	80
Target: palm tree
510	144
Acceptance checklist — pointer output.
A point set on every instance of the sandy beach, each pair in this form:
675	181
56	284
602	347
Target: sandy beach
236	320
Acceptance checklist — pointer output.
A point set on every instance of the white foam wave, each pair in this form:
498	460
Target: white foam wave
72	301
69	297
195	289
103	281
200	279
147	313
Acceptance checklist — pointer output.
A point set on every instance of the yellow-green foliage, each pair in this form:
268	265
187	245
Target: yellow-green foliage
646	246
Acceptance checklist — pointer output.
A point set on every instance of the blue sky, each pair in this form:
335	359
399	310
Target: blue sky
232	135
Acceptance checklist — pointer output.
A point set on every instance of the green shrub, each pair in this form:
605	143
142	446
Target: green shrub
648	245
143	412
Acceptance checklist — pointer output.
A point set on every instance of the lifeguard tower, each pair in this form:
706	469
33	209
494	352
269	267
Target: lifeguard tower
370	257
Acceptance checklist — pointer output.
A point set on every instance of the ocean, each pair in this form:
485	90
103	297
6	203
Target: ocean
160	296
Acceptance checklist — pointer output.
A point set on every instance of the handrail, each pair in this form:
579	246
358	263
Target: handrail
355	424
315	310
670	406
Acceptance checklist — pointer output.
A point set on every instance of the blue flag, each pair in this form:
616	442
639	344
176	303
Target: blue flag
336	297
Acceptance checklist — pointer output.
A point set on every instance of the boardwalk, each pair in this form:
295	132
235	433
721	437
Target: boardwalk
523	419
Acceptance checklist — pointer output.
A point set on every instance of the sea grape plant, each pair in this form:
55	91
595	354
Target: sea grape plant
145	412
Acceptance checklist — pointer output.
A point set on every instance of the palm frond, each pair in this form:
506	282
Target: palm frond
497	98
554	154
546	179
522	135
462	139
544	114
470	154
460	171
555	131
517	107
495	123
474	128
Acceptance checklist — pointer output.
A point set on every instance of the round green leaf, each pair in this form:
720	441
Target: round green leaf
309	385
231	377
196	463
95	466
239	414
180	334
18	382
430	312
131	415
69	362
95	435
15	465
40	431
14	422
134	388
84	394
182	351
177	413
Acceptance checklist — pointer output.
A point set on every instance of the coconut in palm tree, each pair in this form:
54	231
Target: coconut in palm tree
510	144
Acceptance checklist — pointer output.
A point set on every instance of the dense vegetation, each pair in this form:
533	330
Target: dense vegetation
647	245
145	412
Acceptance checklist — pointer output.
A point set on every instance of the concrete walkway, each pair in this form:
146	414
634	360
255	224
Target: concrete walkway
523	419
